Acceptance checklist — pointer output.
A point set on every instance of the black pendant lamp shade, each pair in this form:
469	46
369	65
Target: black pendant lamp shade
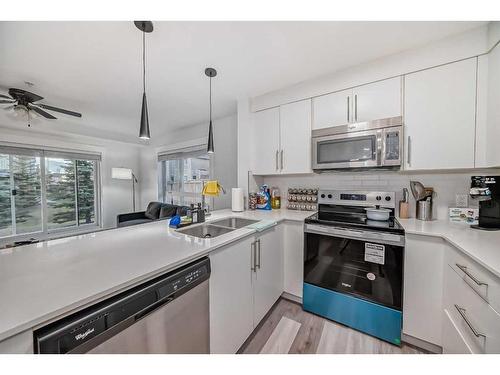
210	72
145	27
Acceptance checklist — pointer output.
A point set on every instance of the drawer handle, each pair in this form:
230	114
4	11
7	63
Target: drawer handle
462	312
464	270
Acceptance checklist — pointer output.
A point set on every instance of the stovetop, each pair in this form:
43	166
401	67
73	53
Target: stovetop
392	225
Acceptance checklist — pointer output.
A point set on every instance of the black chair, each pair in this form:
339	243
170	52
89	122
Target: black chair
155	211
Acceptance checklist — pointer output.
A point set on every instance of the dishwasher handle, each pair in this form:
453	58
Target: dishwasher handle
155	306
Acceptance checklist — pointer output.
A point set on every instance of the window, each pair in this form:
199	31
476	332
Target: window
45	191
181	176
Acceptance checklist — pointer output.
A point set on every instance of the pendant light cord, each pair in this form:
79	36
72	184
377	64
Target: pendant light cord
210	99
144	61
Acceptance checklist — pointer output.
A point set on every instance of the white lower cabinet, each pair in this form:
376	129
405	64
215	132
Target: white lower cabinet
477	323
423	285
268	275
293	260
231	297
246	280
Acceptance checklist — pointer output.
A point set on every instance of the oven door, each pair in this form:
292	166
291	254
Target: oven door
348	150
364	264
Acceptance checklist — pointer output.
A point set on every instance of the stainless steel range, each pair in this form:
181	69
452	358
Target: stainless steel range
353	266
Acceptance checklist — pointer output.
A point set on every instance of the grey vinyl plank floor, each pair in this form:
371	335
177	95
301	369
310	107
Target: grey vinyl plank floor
289	329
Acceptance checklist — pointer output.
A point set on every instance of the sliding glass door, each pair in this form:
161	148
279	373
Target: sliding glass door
43	192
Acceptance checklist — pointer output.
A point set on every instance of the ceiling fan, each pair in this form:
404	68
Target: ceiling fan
27	101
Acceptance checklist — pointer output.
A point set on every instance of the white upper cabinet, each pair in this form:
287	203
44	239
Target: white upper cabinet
282	139
295	127
266	141
372	101
377	100
332	110
439	116
488	110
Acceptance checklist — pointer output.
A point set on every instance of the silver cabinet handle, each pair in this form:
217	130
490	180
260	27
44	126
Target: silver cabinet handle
281	157
348	109
462	312
356	107
258	252
277	166
466	271
408	151
253	256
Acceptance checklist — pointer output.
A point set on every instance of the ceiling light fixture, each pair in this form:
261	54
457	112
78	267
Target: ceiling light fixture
210	72
145	27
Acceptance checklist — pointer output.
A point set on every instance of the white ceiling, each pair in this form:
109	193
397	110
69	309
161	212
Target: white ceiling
95	67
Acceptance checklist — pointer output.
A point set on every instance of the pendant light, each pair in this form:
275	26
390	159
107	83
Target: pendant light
145	27
210	72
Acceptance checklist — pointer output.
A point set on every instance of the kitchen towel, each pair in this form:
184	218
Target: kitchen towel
237	201
262	225
211	188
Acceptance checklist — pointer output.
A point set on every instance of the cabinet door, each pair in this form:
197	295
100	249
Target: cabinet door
440	109
295	128
266	126
377	100
293	258
423	286
231	297
268	278
332	110
488	110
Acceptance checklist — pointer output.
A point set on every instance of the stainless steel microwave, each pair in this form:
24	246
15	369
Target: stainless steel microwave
358	145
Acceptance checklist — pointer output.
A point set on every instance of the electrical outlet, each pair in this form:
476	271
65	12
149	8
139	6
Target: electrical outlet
461	200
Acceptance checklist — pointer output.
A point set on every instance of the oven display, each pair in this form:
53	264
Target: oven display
353	197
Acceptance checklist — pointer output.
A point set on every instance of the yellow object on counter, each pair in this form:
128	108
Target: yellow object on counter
211	188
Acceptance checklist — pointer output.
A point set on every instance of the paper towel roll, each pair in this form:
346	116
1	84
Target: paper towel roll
237	202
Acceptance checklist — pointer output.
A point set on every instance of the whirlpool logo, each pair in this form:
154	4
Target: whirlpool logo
81	336
347	285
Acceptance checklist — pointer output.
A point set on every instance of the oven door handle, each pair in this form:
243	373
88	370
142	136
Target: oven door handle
383	238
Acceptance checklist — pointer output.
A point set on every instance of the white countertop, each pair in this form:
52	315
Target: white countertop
43	281
482	246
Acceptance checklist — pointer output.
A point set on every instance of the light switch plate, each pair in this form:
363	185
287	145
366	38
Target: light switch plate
461	200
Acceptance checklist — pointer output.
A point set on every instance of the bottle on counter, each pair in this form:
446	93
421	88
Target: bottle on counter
275	198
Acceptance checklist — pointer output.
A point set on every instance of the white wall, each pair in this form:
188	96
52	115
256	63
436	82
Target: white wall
471	43
224	159
446	185
116	194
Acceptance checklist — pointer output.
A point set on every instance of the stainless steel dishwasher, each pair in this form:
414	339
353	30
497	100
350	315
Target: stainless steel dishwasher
169	314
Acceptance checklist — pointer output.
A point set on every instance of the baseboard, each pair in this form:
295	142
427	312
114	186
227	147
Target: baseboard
422	344
292	297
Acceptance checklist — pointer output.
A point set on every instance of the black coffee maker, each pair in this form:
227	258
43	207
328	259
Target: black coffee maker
487	188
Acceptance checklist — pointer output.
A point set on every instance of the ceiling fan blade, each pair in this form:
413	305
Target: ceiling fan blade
41	112
7	101
5	96
55	109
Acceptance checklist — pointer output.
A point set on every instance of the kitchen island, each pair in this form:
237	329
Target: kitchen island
42	282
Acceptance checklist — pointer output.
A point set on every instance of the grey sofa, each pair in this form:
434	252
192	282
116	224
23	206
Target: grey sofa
154	211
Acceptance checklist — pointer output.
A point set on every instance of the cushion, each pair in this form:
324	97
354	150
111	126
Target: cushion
153	210
167	210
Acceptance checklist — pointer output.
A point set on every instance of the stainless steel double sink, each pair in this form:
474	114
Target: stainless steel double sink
217	228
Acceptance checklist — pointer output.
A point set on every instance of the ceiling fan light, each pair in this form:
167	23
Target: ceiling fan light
144	130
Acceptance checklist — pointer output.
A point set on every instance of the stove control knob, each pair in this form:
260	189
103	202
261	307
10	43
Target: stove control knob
329	196
322	195
378	198
387	198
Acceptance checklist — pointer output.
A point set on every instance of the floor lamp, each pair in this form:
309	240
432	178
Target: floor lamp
125	174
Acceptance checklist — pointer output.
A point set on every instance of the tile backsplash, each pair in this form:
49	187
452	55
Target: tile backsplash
446	185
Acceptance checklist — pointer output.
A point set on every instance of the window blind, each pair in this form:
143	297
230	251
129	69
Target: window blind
188	152
49	153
